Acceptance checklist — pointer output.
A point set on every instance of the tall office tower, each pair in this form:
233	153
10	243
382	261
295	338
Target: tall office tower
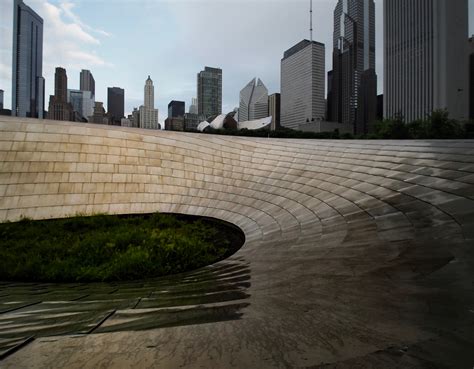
303	84
87	82
471	78
176	109
1	99
148	115
59	108
27	68
193	108
253	101
353	90
425	50
82	102
274	110
115	104
329	98
136	117
209	89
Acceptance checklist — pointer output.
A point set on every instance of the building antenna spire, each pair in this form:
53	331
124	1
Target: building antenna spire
311	20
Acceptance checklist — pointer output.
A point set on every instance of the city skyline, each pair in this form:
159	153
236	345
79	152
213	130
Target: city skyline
88	40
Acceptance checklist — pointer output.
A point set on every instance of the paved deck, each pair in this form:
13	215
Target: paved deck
358	254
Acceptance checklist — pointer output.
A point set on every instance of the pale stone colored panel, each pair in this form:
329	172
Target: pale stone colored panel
101	177
80	177
70	188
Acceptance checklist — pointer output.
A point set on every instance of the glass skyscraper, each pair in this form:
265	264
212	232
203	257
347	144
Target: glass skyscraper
209	87
303	84
176	109
253	101
27	66
353	88
425	58
87	82
116	104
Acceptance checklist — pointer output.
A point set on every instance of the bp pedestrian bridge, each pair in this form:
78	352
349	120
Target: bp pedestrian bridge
358	254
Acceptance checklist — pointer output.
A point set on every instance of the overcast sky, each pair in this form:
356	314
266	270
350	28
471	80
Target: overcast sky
124	41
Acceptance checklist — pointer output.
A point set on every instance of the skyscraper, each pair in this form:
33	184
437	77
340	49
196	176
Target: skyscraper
27	66
1	99
471	78
148	115
87	82
59	108
329	98
303	84
274	110
209	89
116	104
82	102
193	108
176	109
353	93
425	50
253	101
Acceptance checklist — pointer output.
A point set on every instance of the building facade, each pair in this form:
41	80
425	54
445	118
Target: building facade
353	86
193	108
148	115
425	58
471	78
82	102
59	107
274	110
1	99
174	124
303	84
115	104
209	90
99	116
191	121
329	98
176	109
27	67
87	82
253	101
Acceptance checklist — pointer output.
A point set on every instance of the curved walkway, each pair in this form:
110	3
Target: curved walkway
357	253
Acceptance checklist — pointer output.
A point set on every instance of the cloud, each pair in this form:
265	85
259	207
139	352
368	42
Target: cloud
67	7
56	26
67	42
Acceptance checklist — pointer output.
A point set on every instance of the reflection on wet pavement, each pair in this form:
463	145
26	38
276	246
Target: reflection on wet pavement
211	294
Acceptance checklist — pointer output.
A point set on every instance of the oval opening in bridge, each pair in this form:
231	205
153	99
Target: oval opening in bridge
113	247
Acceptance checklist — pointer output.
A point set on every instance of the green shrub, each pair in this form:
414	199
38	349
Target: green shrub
102	248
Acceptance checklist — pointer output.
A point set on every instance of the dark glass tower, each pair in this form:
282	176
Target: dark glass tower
354	82
471	78
27	66
176	109
87	82
115	104
209	87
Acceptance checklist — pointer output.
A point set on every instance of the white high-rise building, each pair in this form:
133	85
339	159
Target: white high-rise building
253	101
193	108
303	84
425	56
148	113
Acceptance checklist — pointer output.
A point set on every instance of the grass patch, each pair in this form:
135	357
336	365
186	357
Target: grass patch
111	248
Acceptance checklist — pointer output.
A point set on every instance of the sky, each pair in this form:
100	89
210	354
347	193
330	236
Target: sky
124	41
